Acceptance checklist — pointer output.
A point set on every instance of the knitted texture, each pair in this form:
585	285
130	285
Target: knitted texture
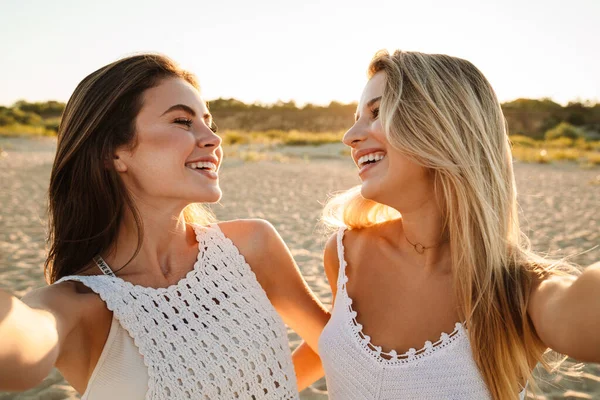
213	335
358	369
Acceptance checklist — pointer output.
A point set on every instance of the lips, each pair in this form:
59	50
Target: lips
207	166
365	159
370	158
204	165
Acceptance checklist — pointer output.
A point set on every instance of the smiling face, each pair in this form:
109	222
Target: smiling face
176	156
388	176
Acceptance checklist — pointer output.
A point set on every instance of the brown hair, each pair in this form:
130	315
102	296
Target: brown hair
87	198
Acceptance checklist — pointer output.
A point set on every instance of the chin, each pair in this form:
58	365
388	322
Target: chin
212	196
205	195
370	191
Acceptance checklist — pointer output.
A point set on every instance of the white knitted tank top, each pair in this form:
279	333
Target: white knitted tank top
213	335
357	369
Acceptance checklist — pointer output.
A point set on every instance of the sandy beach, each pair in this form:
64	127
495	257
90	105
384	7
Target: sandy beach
560	213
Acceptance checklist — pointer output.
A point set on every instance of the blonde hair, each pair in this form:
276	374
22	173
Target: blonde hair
198	214
442	113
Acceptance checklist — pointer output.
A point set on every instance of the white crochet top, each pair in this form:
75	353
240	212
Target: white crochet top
213	335
357	369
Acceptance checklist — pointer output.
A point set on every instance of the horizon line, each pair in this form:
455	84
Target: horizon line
576	100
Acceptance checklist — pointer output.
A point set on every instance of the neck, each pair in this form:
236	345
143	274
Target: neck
165	237
422	226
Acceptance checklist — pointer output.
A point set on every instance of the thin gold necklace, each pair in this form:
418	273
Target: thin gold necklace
419	248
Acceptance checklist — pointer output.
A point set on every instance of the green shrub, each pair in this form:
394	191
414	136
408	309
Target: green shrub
231	138
310	139
559	143
25	130
564	130
280	137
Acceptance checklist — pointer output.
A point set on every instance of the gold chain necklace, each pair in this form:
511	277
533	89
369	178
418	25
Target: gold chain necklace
419	248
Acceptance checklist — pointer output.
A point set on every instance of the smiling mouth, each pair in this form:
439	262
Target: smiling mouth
203	166
369	159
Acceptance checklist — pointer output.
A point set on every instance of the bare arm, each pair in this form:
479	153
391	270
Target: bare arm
30	338
566	314
275	268
302	355
307	365
288	292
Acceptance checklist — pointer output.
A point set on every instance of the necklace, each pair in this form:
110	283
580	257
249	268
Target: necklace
419	248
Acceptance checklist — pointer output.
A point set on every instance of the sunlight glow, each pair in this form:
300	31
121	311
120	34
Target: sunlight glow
308	51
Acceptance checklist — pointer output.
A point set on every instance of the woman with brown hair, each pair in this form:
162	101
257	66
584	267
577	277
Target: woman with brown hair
437	294
148	297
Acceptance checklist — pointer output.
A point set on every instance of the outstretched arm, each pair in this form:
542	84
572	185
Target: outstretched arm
31	334
28	344
566	314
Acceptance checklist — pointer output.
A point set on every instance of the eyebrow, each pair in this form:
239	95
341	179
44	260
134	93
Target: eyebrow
187	109
181	107
369	104
373	101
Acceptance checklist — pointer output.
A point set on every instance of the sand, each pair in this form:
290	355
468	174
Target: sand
560	205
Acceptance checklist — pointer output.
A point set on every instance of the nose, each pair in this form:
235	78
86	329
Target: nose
207	138
354	136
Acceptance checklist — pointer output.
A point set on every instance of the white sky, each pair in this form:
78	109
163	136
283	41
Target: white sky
308	51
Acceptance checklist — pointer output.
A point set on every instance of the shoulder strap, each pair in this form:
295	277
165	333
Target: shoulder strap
103	266
104	286
341	257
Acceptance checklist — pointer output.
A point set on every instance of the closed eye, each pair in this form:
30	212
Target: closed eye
213	127
184	121
375	113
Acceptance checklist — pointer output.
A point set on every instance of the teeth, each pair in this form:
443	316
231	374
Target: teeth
205	164
370	157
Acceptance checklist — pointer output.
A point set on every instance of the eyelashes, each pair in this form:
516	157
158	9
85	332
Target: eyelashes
213	127
188	123
184	121
375	113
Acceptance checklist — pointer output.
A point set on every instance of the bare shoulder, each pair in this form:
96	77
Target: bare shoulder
360	241
262	247
251	236
247	227
67	300
331	259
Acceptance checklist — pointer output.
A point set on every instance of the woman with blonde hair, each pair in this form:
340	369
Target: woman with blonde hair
148	297
437	295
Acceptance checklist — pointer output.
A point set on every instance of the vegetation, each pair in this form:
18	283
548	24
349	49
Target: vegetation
526	117
280	137
541	130
24	118
584	152
564	130
533	118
